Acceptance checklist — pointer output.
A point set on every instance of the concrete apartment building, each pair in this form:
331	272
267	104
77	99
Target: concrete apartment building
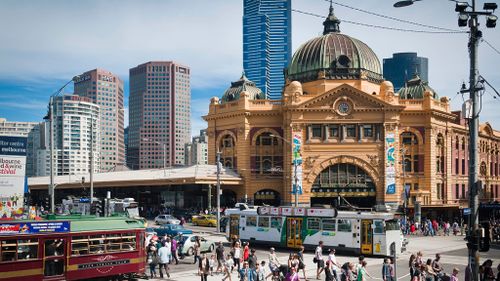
76	122
196	151
159	114
106	90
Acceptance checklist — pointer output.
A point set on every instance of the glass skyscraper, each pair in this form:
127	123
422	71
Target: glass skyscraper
402	66
267	43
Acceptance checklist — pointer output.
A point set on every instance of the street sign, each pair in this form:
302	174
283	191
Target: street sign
84	200
467	211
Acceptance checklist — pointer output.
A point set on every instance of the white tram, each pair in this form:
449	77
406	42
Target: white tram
367	233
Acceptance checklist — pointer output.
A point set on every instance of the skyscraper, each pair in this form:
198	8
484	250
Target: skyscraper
159	114
106	90
76	123
402	66
196	152
267	43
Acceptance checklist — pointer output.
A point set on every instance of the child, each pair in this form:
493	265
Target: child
211	263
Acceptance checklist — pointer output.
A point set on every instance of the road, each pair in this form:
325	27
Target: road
452	249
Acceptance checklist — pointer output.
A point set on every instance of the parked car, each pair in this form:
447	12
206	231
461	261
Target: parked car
204	220
187	248
166	219
172	230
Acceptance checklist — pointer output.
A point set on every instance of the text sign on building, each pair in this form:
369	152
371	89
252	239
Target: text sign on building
12	176
34	227
390	162
297	161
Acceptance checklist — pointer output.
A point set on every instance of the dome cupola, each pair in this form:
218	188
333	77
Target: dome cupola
334	56
415	89
242	85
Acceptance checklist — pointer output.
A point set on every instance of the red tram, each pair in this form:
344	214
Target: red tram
71	248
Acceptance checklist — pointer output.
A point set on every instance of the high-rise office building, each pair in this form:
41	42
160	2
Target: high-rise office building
159	114
196	152
402	67
76	123
267	43
106	90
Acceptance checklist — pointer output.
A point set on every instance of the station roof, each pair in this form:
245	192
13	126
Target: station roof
197	174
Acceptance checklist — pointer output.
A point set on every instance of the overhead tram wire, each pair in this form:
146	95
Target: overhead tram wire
491	46
384	27
393	18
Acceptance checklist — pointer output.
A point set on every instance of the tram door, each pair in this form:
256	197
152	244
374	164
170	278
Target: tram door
294	232
366	237
54	258
234	226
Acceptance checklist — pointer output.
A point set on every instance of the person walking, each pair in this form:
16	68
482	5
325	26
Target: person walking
318	258
152	260
302	265
362	272
292	275
219	253
204	267
228	267
429	272
197	249
236	253
274	263
454	275
173	249
386	270
335	265
163	254
437	267
329	273
246	251
252	260
246	273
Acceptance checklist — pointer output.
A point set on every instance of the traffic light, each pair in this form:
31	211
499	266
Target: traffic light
46	203
484	240
98	208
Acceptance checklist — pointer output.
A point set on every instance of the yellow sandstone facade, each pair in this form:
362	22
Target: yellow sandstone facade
360	143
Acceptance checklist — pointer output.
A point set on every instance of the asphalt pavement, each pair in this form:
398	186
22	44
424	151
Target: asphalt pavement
452	249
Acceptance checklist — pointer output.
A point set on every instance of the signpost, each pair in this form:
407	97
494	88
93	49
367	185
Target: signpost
12	176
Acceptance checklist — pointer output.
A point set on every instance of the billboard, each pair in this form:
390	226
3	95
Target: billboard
390	162
297	161
12	176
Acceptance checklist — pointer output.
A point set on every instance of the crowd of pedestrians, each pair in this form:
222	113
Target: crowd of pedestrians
428	227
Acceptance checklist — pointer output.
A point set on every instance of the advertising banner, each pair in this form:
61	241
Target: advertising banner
297	161
12	176
390	162
34	227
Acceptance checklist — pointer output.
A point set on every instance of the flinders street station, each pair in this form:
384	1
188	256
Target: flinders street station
341	135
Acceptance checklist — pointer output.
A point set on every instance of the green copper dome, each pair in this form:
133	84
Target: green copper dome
242	85
334	56
415	88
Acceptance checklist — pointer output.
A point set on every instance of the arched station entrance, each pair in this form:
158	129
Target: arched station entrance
344	180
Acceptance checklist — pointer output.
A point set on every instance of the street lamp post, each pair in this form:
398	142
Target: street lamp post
50	117
218	191
470	18
295	177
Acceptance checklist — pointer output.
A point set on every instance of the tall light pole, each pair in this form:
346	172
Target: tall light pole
295	177
468	16
164	145
50	117
218	190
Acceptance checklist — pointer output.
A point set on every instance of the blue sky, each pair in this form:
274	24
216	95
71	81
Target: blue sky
46	42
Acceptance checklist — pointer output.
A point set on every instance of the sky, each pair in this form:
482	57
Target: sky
44	43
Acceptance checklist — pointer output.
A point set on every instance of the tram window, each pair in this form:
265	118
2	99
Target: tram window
379	227
328	225
97	244
313	223
27	249
113	242
344	225
392	225
263	221
276	223
54	247
9	249
251	221
79	245
128	243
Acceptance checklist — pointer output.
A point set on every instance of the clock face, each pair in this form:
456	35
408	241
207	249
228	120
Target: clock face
343	107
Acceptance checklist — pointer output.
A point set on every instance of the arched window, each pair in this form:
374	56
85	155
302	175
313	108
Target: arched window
410	152
440	154
267	154
227	148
